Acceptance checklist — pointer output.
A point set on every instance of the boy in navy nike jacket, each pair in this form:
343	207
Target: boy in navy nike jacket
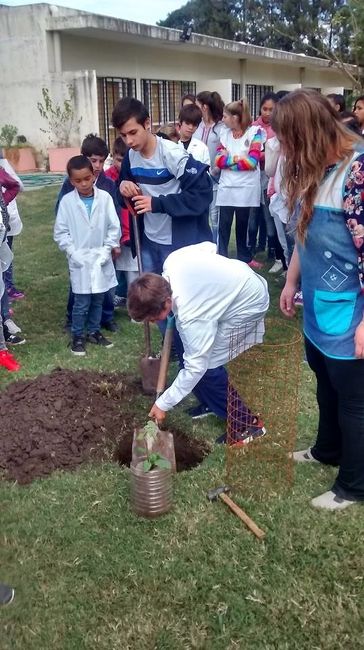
169	189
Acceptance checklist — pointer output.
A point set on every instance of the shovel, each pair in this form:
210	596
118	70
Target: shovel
149	364
164	443
153	370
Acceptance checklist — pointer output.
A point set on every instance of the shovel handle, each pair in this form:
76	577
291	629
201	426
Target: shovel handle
134	216
166	351
242	515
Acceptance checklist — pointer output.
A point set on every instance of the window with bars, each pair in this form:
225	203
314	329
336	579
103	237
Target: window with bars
254	95
163	99
109	90
235	92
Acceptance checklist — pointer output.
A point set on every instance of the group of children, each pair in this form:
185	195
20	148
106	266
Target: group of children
186	187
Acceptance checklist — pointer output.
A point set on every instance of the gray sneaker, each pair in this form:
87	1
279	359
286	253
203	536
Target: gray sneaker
6	594
331	501
304	456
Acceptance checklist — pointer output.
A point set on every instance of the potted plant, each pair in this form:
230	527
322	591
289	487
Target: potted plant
62	125
16	149
151	477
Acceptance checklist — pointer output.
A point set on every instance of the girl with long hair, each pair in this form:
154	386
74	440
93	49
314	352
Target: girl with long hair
323	181
239	188
211	106
359	112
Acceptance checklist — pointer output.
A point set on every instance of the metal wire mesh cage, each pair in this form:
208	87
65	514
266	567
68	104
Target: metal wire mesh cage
265	378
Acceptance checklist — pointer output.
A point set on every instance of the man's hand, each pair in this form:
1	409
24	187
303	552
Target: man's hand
129	189
286	300
157	414
142	203
359	341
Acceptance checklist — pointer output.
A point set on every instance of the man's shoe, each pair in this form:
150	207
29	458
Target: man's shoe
98	339
110	326
12	327
78	346
14	339
256	430
6	594
15	294
7	361
304	456
199	411
331	501
277	266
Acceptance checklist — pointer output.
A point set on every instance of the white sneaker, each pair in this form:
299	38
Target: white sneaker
330	501
277	266
12	327
304	456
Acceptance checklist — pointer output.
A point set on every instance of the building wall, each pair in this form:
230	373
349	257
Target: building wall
33	58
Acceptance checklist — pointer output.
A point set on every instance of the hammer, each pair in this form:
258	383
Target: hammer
221	492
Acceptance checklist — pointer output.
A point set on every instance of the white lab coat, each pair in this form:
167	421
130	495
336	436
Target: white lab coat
88	241
198	150
213	298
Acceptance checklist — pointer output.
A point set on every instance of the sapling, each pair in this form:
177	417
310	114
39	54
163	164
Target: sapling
154	460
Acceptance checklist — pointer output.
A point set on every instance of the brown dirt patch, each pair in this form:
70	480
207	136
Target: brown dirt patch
66	418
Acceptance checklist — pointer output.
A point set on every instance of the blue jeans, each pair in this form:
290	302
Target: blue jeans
5	303
212	390
86	313
8	275
154	255
107	306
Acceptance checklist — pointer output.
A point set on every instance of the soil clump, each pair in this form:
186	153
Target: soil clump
68	418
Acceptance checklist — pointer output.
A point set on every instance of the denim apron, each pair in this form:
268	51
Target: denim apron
333	302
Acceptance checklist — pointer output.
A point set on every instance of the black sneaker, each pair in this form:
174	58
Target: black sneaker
12	339
6	594
110	326
199	411
256	430
98	339
78	346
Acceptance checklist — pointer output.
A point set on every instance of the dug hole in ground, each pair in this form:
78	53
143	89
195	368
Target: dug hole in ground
68	418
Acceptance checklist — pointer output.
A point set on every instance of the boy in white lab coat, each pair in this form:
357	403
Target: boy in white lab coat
87	229
212	297
188	121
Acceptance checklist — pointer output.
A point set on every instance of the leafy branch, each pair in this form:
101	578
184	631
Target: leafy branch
60	117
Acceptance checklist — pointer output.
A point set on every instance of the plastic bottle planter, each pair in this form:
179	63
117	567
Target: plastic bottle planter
151	492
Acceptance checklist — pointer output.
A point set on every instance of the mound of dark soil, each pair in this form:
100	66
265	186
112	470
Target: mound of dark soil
66	418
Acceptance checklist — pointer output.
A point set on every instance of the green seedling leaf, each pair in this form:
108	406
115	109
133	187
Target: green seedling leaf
163	463
147	465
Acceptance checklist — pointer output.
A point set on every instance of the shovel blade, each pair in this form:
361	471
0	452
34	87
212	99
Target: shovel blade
149	370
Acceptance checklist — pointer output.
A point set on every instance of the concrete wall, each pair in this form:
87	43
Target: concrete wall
26	57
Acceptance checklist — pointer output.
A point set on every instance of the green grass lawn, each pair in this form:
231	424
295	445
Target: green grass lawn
90	575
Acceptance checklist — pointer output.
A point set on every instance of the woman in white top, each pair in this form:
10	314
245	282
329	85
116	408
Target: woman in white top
208	131
239	187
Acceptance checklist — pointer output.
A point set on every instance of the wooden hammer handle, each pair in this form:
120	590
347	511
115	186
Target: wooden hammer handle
242	515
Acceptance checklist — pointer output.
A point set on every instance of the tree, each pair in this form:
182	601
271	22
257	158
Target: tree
214	17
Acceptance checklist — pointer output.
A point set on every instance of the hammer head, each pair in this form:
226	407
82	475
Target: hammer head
213	494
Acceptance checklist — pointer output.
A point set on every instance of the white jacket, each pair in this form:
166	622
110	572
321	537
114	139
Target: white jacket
213	297
88	241
15	222
198	150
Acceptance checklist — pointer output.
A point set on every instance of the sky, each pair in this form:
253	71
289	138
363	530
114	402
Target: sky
142	11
